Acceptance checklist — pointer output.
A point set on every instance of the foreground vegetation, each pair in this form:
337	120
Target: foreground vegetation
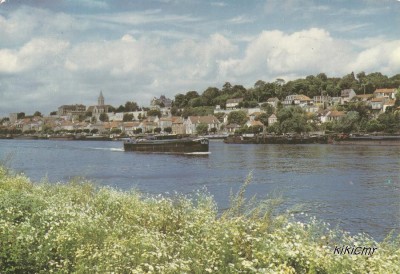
79	228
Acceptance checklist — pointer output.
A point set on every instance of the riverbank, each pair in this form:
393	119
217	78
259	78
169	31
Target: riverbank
80	228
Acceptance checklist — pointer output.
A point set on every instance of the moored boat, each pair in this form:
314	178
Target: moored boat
160	144
371	140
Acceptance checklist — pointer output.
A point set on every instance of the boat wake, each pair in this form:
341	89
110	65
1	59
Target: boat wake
198	153
108	148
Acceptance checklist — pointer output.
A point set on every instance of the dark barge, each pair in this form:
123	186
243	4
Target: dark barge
274	139
366	140
173	145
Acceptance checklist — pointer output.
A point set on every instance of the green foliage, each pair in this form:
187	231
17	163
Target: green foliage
348	124
78	228
292	119
103	117
116	131
237	117
131	106
154	112
127	117
202	129
390	121
197	111
21	115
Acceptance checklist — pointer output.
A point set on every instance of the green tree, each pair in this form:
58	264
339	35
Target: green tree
157	130
349	123
131	106
154	112
292	119
121	108
263	118
103	117
116	131
21	115
127	117
237	117
202	129
168	130
37	113
390	121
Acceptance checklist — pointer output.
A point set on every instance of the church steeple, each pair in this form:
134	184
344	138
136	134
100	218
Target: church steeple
100	100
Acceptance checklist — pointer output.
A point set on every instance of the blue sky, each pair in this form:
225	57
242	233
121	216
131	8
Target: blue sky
66	51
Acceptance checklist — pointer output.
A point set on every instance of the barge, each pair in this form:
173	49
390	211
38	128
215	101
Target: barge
367	140
163	144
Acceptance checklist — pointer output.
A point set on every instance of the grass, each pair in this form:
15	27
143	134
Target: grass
78	228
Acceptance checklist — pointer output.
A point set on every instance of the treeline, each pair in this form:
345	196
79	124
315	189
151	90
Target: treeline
310	86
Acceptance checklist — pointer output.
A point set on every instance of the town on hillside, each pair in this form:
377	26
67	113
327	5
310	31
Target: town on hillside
279	108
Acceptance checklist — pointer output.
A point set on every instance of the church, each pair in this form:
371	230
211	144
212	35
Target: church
99	108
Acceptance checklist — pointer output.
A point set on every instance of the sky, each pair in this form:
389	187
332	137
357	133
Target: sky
56	52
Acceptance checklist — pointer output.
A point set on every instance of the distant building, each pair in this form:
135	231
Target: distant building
389	93
273	101
71	110
346	95
233	103
99	108
192	122
272	119
161	102
297	100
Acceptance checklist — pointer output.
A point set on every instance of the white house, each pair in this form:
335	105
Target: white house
346	95
192	122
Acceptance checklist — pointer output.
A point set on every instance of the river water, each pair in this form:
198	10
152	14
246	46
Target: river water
354	187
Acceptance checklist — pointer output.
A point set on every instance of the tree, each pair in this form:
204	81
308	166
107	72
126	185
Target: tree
127	117
94	131
209	95
157	130
180	101
168	130
268	109
53	113
390	121
37	113
131	106
154	112
21	115
263	118
103	117
237	117
121	108
202	129
292	119
349	123
116	131
138	131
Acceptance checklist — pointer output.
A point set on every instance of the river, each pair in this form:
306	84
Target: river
354	187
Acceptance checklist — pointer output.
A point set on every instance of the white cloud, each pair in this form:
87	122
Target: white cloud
274	52
36	53
383	57
241	19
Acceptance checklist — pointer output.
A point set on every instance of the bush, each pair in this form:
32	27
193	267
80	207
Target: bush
80	228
